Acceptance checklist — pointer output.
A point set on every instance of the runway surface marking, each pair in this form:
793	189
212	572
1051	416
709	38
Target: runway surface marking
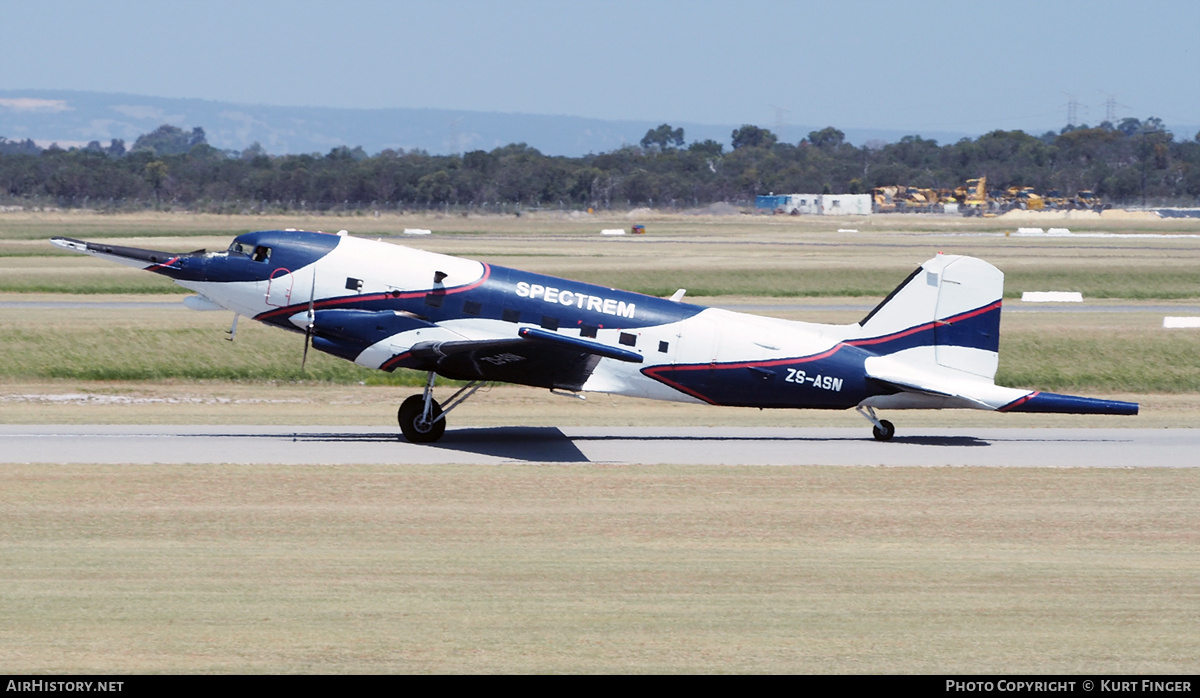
183	445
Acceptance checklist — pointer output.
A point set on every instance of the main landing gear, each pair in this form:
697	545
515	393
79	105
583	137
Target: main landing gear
422	419
883	429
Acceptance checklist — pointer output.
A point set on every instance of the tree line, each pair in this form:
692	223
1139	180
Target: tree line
1131	162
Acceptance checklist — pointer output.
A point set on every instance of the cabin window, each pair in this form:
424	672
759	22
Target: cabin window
262	253
353	284
588	331
472	307
629	340
549	323
510	315
662	347
434	300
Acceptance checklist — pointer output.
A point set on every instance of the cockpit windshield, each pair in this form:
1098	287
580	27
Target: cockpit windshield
259	253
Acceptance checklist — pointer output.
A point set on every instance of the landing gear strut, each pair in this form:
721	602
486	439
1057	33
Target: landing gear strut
883	429
422	419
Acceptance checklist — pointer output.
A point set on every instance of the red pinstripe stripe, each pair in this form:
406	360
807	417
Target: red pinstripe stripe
1020	401
345	300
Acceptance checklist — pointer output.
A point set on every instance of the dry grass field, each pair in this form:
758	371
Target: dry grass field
593	568
541	568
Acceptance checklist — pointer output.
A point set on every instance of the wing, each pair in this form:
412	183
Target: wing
534	357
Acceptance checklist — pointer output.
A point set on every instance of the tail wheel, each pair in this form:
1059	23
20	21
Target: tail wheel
413	424
884	431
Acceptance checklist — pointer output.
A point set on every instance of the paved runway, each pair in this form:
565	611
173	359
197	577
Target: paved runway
1105	448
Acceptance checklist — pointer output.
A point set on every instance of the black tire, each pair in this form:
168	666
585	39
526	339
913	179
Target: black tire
885	431
414	428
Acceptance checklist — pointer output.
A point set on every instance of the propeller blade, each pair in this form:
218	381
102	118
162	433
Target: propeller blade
307	341
312	319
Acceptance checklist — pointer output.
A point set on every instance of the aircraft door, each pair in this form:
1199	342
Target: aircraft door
695	342
717	359
694	348
279	288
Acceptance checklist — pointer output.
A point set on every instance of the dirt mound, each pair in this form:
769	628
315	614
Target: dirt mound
1118	214
1121	214
1019	215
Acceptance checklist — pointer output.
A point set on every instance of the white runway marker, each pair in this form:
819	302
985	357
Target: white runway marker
1052	297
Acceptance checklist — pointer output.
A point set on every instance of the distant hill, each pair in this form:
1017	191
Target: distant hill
73	118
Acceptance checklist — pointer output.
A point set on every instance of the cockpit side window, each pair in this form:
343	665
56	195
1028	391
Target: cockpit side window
238	248
262	253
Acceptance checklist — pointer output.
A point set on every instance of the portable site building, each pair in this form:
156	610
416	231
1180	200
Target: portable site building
829	204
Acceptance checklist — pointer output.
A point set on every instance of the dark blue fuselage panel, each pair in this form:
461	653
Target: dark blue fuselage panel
834	379
513	296
541	299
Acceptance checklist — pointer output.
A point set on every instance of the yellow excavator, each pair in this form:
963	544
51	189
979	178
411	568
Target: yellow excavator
973	199
1024	198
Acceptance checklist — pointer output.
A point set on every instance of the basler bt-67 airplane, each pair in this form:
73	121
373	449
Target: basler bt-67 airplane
931	344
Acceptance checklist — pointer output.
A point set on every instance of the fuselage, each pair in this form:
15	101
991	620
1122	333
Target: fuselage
371	302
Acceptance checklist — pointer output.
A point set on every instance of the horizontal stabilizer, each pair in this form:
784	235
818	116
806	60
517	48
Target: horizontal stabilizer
952	398
1069	404
965	389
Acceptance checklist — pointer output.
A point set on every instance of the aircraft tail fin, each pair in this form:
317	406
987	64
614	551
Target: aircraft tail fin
947	313
937	341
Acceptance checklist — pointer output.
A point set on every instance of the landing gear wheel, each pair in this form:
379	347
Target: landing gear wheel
885	431
411	416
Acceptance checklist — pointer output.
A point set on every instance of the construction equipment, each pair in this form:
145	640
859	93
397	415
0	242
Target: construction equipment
1024	198
973	199
902	199
883	199
1087	200
914	200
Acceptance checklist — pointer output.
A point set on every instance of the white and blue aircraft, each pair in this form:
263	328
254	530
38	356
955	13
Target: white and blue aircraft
931	344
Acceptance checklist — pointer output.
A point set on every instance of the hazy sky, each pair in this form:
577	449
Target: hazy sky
911	65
